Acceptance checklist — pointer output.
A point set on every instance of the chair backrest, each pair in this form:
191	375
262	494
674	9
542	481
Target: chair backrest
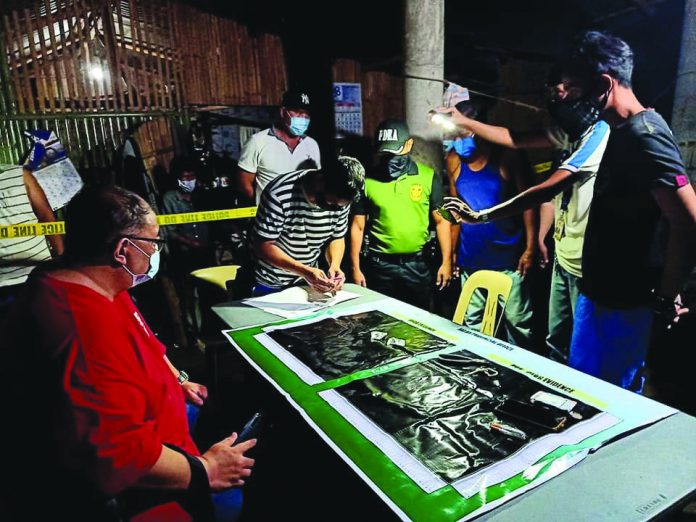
498	286
217	275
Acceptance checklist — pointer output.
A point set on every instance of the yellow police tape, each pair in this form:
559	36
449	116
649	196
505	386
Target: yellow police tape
58	227
542	167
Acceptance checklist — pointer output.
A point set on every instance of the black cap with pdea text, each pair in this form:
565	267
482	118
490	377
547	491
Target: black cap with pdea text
391	136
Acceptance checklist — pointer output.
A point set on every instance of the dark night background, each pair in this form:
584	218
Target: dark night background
479	36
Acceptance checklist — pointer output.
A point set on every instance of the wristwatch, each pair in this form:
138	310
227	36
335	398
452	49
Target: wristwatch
183	377
483	216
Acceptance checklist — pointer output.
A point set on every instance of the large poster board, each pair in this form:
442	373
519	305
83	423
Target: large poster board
442	422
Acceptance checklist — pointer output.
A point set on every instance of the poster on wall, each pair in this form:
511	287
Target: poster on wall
52	168
348	107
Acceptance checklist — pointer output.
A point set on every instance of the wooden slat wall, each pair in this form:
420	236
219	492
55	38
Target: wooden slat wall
382	93
153	55
90	139
224	64
134	55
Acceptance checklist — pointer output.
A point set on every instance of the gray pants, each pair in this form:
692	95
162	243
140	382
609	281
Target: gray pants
564	293
516	323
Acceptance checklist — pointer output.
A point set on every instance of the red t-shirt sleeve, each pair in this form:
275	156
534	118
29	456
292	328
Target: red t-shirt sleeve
106	384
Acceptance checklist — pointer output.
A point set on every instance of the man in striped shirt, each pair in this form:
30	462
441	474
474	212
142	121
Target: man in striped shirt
300	214
22	200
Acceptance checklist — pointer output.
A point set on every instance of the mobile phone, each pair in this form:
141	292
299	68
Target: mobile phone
251	429
535	414
446	214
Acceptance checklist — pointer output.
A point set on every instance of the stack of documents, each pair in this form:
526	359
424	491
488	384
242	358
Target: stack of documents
298	301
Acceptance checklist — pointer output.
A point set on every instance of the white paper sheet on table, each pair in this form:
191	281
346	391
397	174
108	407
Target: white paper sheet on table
298	301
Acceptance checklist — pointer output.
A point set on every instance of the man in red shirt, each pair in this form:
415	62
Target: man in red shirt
104	415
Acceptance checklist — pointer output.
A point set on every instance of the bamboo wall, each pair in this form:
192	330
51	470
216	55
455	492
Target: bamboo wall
91	69
92	55
91	140
382	93
223	64
134	55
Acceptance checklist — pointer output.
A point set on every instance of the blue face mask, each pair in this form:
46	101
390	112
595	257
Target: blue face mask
447	145
151	271
298	125
465	147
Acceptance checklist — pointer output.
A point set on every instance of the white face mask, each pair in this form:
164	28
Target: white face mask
187	185
151	271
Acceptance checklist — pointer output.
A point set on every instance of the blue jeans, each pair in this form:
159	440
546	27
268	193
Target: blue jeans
228	504
261	290
516	323
562	299
611	344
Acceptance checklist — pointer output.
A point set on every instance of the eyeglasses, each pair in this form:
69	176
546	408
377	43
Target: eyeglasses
157	241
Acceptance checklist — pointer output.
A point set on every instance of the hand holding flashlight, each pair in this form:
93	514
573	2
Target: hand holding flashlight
443	120
450	119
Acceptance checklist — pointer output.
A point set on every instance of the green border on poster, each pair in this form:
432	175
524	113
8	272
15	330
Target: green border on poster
445	504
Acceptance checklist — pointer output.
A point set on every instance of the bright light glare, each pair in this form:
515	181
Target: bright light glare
96	73
444	122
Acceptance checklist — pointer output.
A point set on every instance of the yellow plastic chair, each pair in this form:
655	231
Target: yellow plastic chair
498	286
217	275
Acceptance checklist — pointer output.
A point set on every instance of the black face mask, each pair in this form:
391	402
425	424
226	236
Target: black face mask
395	166
576	116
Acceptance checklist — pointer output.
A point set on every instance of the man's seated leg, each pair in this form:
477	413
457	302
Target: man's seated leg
228	505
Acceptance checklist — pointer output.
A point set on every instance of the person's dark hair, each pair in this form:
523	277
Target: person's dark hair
475	108
181	164
97	217
344	177
596	53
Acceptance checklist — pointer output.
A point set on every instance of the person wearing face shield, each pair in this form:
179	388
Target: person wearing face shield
395	208
483	175
188	245
578	142
101	432
283	148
